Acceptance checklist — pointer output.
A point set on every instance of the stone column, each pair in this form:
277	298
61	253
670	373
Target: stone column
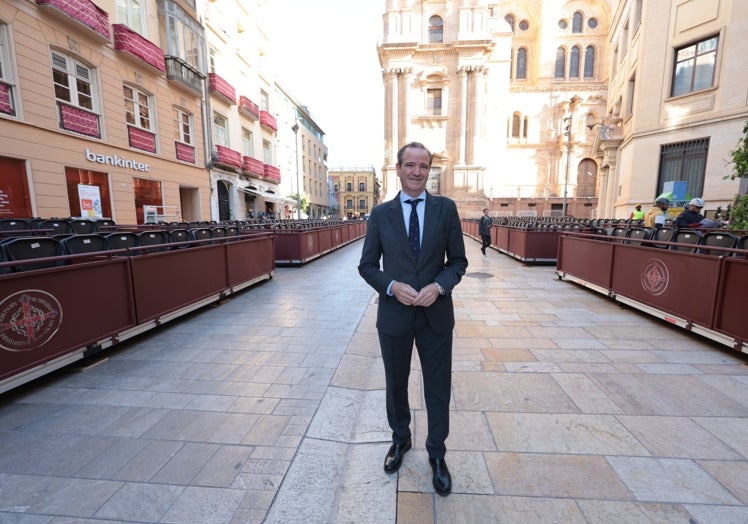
394	112
462	75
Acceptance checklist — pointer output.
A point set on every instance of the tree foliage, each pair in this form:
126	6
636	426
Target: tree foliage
739	156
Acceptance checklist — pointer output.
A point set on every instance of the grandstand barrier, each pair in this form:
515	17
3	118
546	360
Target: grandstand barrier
298	246
529	245
701	293
54	316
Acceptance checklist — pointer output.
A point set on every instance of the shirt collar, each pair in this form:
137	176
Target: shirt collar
404	197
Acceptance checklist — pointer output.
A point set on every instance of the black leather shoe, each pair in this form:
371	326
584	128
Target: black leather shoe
394	457
442	479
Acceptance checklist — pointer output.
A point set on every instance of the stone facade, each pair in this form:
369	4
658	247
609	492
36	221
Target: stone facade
676	104
356	190
502	93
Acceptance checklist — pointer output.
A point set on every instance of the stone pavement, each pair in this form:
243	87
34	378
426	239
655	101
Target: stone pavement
270	408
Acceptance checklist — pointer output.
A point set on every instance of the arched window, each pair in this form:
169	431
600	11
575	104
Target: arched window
576	24
574	62
560	63
510	20
515	125
436	30
522	63
524	128
589	62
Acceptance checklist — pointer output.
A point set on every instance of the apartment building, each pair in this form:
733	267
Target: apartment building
244	172
100	109
502	93
676	104
356	190
302	157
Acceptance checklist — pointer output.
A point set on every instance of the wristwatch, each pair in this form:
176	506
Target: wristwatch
439	288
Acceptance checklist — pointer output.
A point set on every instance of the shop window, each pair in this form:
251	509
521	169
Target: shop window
15	201
88	193
147	193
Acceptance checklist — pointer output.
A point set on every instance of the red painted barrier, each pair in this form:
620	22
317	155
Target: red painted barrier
52	317
701	293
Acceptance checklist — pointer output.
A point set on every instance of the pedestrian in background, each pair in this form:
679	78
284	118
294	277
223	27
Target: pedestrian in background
655	216
484	229
637	213
418	238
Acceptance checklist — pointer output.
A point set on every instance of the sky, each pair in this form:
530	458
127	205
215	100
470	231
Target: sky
326	51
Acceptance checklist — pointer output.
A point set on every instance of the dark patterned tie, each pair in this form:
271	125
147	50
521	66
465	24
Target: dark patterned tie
414	228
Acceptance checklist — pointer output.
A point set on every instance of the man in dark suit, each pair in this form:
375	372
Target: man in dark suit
484	230
418	238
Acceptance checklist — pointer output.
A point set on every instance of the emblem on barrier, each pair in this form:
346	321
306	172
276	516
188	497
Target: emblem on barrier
28	319
655	277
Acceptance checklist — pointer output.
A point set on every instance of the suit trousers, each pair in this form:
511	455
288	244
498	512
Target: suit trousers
435	354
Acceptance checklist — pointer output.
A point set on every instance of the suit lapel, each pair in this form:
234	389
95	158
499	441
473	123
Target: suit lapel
431	219
397	223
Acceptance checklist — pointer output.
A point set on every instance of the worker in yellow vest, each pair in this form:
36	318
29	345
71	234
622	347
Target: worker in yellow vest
637	213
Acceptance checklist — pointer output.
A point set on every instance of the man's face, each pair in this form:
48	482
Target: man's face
414	171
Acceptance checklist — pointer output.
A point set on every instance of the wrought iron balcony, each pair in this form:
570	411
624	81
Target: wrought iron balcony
249	108
182	73
222	89
272	173
226	157
267	120
80	13
252	166
133	44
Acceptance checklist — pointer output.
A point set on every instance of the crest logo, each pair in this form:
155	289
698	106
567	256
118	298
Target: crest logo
28	320
655	277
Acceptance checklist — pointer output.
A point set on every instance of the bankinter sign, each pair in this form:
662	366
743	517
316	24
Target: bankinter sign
117	161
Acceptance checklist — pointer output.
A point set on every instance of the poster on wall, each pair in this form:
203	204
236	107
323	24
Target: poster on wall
90	200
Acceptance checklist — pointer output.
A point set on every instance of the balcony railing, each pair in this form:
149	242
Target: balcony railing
179	71
272	173
6	99
267	120
81	13
130	42
226	157
219	87
78	120
185	153
249	108
141	139
252	166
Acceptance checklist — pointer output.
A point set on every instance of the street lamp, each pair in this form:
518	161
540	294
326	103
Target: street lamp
572	105
295	130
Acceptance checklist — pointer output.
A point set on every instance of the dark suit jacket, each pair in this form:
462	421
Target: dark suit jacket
442	259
